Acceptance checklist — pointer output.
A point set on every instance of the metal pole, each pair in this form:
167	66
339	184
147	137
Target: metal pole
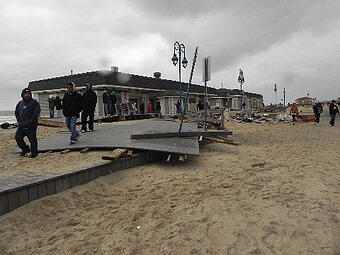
205	105
180	76
284	96
188	89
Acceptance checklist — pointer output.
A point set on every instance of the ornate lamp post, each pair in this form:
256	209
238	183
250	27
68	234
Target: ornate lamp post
241	80
180	48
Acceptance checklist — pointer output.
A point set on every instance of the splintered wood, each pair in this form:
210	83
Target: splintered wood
221	140
65	151
116	154
85	150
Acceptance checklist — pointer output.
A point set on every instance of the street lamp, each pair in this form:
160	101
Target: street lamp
241	80
180	48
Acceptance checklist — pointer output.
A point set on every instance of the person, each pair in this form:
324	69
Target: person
89	102
149	107
58	106
178	106
317	108
333	110
71	109
142	108
158	108
113	101
133	107
27	112
106	102
51	105
200	106
57	103
294	111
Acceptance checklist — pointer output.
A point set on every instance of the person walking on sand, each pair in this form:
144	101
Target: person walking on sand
294	112
27	112
317	108
71	109
89	102
333	110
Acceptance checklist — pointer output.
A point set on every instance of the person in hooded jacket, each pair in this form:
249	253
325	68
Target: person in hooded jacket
317	108
72	106
89	102
333	110
27	112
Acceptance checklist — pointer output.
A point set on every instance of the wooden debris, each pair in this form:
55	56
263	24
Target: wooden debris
65	151
85	150
116	154
221	140
129	153
258	164
182	158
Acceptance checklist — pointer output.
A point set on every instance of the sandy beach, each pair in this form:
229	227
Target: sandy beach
276	193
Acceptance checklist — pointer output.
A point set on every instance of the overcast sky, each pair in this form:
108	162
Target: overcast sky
294	43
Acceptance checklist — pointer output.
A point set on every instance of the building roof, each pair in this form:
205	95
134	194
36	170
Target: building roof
129	80
234	92
114	78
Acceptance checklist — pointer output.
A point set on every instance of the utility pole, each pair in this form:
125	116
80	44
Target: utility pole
275	95
284	96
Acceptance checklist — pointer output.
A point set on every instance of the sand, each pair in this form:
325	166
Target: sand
277	193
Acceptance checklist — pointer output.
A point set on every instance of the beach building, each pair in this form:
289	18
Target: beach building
305	101
140	90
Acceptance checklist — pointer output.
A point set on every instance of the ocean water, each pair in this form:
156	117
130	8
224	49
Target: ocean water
7	116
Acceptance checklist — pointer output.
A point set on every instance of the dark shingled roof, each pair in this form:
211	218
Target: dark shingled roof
232	92
114	78
127	80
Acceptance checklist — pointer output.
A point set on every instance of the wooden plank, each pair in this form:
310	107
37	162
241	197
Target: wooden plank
85	150
65	151
116	154
219	140
183	134
129	153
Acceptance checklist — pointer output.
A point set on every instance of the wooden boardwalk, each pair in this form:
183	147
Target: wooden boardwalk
117	135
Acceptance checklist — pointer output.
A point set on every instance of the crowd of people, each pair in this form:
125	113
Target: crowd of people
317	109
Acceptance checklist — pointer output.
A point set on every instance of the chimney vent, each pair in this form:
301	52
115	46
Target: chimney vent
114	68
157	75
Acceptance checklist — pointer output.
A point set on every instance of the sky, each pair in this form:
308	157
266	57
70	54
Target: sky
292	43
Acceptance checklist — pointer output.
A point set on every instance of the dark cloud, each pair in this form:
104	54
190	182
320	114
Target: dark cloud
292	43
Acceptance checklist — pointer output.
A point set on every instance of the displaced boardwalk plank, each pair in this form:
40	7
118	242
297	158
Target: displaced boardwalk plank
183	134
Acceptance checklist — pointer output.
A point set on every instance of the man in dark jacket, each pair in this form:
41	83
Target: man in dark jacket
71	109
333	110
27	112
89	102
317	108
